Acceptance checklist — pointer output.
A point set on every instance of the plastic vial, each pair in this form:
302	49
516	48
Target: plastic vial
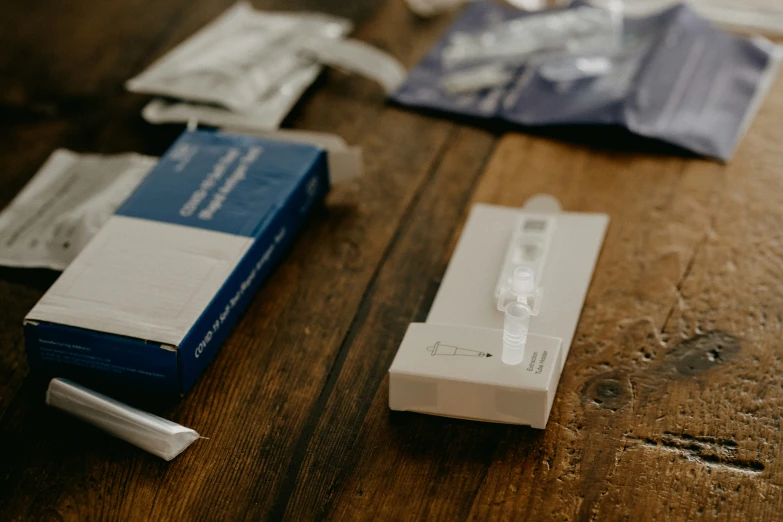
517	320
515	327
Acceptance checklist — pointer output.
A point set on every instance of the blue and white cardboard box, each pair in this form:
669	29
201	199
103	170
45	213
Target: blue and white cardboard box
151	299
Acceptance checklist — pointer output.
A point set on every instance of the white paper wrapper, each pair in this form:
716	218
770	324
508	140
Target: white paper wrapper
241	59
359	58
149	432
65	204
266	113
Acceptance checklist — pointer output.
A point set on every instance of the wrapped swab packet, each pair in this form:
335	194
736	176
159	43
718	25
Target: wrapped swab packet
248	68
241	58
149	432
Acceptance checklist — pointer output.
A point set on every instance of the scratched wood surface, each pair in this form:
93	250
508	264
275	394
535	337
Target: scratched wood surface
668	406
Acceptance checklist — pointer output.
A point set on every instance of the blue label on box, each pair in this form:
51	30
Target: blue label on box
222	182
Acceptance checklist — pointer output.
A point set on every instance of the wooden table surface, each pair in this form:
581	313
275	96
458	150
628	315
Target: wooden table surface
668	408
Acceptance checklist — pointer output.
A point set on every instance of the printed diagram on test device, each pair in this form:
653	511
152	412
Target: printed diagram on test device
445	349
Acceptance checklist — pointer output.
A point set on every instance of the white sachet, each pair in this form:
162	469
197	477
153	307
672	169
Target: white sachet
149	432
65	204
240	59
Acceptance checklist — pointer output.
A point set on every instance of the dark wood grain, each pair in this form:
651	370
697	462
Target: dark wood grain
668	406
664	411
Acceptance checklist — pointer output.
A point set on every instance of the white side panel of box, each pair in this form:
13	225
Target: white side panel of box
457	371
142	278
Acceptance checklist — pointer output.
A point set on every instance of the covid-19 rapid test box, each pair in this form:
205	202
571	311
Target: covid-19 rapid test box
150	300
457	362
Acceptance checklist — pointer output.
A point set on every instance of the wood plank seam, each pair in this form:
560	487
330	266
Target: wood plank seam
361	314
423	310
375	394
696	251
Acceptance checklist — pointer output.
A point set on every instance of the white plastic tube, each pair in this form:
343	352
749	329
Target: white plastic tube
359	58
515	327
149	432
518	310
427	8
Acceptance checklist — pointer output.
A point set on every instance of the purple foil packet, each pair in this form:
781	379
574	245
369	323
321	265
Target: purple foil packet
675	78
